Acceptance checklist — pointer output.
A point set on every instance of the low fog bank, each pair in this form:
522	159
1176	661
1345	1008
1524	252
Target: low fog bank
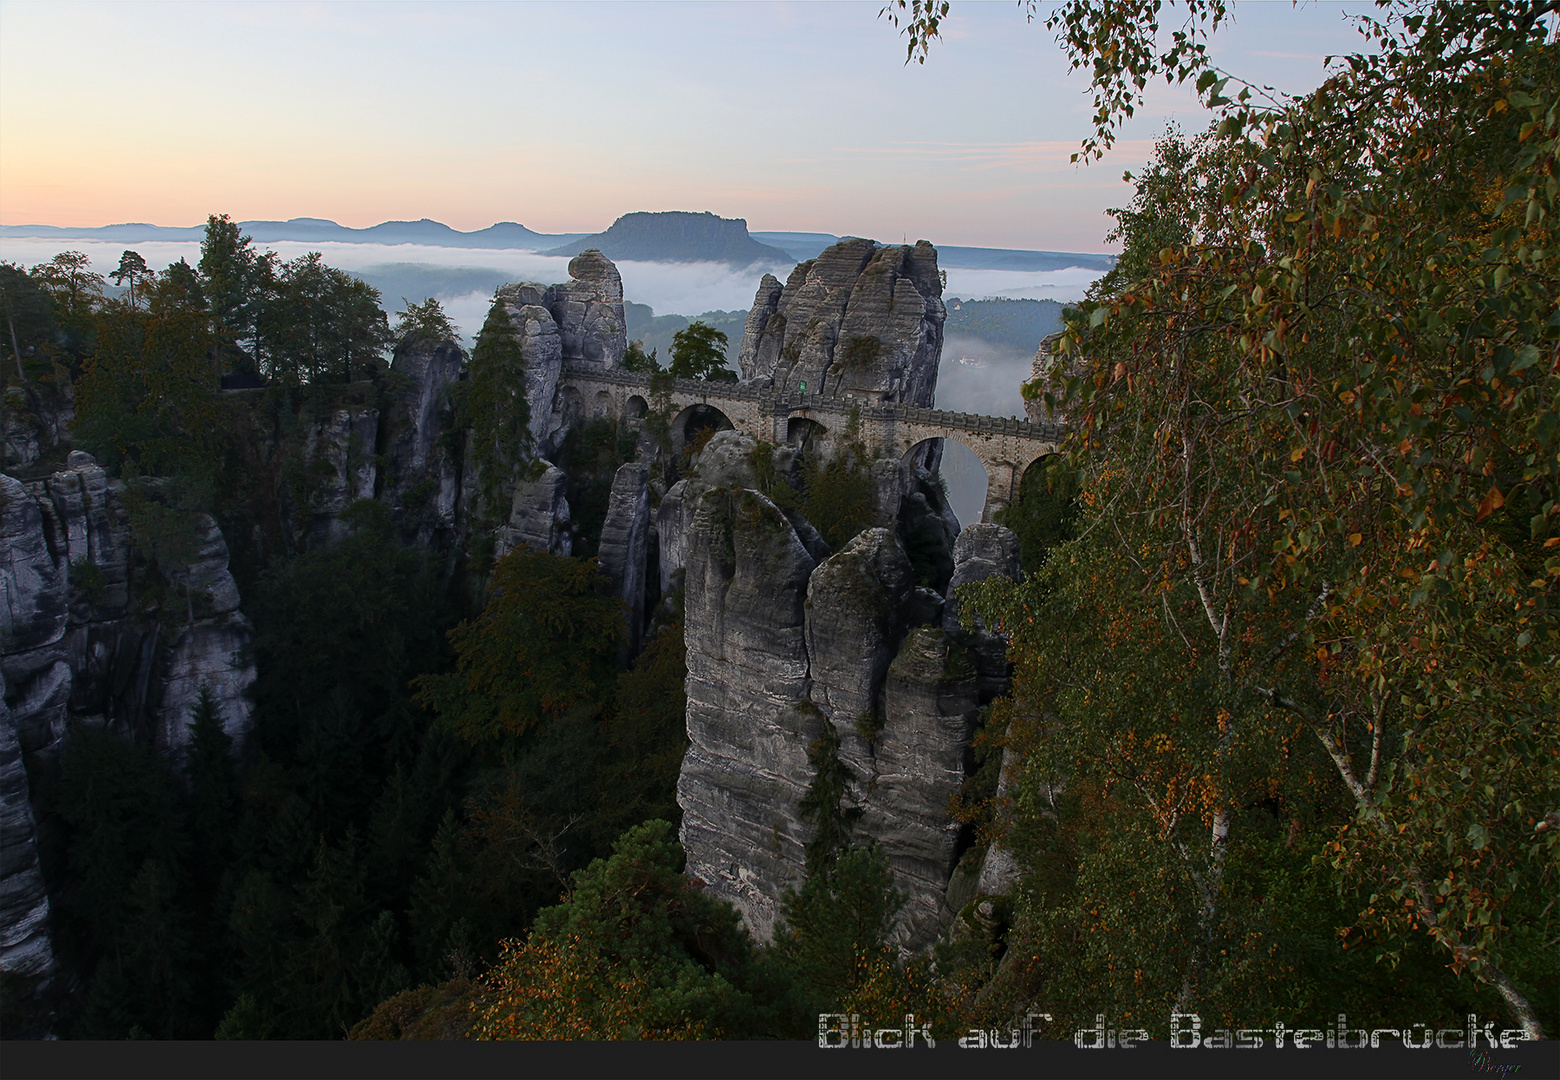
989	385
417	271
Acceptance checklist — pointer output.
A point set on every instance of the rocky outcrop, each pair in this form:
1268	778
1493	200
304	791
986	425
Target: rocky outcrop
854	623
421	481
338	459
76	648
859	319
541	347
725	461
588	309
982	549
34	586
209	652
749	718
1044	363
930	702
539	514
624	541
25	948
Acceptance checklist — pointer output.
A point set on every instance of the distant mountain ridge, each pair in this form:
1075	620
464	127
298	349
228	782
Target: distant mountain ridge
678	236
672	236
504	235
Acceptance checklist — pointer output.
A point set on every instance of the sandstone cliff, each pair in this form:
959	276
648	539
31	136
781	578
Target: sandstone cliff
783	640
78	647
859	319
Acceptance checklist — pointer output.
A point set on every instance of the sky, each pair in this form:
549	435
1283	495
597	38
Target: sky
563	116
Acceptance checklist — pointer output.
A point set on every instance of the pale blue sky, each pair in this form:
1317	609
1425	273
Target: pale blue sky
562	116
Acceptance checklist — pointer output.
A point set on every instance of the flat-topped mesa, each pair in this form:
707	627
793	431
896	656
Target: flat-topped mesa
859	319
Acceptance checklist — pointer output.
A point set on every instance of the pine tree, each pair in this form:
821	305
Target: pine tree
500	414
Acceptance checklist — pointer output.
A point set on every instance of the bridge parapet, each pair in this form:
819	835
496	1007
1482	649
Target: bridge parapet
1004	445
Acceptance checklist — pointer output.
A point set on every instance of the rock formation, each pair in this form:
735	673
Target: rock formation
624	541
749	719
421	480
782	640
541	346
25	948
539	514
75	648
338	456
859	319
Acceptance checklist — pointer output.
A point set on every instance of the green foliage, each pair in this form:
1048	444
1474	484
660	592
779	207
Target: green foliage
236	281
839	497
839	920
823	802
339	634
147	398
88	576
591	453
542	646
860	353
320	323
1322	372
119	914
646	737
30	328
636	359
75	291
498	411
699	352
635	951
1045	513
425	322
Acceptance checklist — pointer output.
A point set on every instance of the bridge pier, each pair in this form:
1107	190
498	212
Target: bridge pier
1002	479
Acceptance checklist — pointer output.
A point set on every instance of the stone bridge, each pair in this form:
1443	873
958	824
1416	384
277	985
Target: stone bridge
1005	447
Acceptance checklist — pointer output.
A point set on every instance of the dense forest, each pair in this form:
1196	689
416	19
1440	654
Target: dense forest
1280	742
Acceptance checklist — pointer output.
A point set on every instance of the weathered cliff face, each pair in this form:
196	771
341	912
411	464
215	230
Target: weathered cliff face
338	460
538	515
868	654
625	537
749	720
929	705
25	948
75	647
725	461
421	480
855	620
589	310
541	346
858	319
72	643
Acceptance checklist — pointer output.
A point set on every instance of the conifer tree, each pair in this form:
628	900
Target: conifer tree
497	406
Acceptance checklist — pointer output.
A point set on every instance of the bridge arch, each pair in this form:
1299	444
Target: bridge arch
964	474
804	430
698	417
635	407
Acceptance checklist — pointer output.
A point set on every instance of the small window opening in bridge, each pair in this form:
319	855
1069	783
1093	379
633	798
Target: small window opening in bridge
573	405
635	408
800	431
603	404
694	426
